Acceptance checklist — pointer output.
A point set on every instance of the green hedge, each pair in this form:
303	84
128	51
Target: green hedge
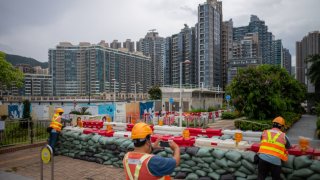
318	127
260	125
228	115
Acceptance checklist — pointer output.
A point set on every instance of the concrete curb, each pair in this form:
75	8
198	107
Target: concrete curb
21	147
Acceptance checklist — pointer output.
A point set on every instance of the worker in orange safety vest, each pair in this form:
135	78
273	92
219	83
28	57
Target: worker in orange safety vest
141	164
55	127
273	150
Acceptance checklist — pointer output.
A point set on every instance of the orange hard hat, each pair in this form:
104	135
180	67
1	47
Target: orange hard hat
59	110
140	131
279	120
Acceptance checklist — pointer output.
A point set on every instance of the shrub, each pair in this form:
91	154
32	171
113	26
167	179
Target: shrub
318	123
228	115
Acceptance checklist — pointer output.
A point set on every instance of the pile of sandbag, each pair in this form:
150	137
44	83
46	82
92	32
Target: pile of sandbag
210	163
196	162
93	147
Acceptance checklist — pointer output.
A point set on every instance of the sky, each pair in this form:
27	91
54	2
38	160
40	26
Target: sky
29	28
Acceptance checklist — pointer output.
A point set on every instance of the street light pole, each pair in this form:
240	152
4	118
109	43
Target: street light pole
180	103
114	97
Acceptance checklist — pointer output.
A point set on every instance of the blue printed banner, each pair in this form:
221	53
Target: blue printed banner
15	111
108	109
147	107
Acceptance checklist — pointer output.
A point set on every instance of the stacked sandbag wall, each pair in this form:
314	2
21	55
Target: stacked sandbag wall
196	162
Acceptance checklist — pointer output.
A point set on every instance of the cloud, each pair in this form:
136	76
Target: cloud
31	27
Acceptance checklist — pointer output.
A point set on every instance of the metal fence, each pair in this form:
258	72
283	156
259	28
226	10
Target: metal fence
23	132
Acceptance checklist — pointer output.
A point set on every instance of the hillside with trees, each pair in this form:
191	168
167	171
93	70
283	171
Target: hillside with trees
15	59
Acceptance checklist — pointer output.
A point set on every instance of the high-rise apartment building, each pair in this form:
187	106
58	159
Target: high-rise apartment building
128	44
287	60
227	48
115	44
37	85
152	45
245	53
265	38
309	45
179	48
86	69
277	53
209	43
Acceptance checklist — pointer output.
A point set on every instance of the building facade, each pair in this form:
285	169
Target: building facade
309	45
178	49
287	61
128	44
37	85
93	69
277	53
265	38
227	49
245	53
115	44
153	45
209	43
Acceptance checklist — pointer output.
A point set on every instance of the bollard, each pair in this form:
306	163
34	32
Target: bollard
46	157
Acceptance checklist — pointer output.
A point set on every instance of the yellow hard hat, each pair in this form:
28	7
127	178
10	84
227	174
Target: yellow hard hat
140	131
279	120
59	110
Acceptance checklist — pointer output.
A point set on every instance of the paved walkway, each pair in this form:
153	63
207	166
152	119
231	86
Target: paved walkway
306	127
26	163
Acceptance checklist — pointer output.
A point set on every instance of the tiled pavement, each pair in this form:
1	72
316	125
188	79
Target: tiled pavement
223	124
27	163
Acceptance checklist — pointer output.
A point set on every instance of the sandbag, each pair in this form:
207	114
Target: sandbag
190	163
168	150
221	171
217	153
224	137
204	152
208	159
162	153
177	168
221	162
204	165
194	168
241	178
192	176
214	175
192	150
91	142
76	142
286	170
234	156
249	156
302	162
114	159
248	165
181	175
208	170
184	165
186	170
95	138
233	164
315	166
244	170
182	150
185	156
240	174
201	173
289	163
85	137
214	166
304	172
119	141
111	140
107	162
99	160
105	157
197	159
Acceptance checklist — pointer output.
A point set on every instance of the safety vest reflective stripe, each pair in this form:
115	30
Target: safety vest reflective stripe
137	169
272	149
273	146
283	157
280	145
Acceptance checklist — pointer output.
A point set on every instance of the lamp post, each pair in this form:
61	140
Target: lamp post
180	103
135	97
114	96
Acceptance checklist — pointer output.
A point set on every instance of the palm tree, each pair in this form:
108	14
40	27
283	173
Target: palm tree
81	111
314	72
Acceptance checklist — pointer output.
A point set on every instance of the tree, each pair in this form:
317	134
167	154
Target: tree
9	75
155	93
314	73
81	111
266	91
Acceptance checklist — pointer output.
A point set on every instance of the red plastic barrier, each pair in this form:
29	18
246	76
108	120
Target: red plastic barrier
89	131
296	150
208	132
154	137
255	147
316	152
